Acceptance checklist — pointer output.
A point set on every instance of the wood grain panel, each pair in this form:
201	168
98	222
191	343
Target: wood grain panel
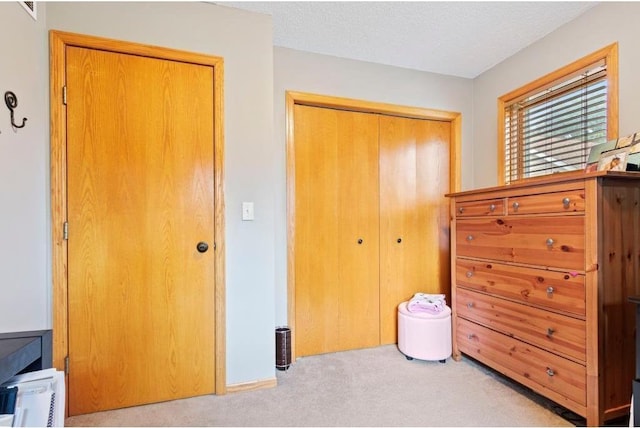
558	378
556	333
620	259
58	160
595	412
141	298
337	237
524	240
538	185
559	291
547	203
414	238
481	208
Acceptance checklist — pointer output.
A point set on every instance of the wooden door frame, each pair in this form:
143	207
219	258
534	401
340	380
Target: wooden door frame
58	41
292	99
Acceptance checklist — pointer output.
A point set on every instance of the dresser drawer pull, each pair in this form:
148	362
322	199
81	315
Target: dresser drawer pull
469	273
550	291
492	207
470	305
550	371
461	210
469	238
550	332
549	242
566	202
471	336
515	206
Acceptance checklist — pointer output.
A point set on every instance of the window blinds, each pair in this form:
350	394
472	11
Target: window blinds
552	129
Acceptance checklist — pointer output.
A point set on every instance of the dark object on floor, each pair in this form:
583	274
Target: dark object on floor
411	358
283	348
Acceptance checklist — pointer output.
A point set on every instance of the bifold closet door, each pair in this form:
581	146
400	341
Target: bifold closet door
414	214
336	230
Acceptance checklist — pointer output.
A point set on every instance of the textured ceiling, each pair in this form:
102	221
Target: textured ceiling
448	37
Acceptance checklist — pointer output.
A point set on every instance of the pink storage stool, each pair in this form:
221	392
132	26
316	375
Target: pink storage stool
423	335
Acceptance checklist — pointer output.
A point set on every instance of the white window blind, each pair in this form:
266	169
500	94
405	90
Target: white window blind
551	129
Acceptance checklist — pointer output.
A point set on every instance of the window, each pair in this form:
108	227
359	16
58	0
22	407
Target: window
549	125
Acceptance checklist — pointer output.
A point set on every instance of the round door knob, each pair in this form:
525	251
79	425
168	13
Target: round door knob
359	241
202	247
399	240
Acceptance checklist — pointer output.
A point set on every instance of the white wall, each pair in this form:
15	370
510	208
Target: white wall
244	40
326	75
597	28
24	173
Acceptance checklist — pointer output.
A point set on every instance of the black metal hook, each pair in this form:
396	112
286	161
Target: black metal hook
11	101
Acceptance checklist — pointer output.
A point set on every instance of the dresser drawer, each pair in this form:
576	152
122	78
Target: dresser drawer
556	241
523	362
480	208
554	332
562	291
547	203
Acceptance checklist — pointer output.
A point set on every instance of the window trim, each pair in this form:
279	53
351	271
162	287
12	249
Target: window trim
608	54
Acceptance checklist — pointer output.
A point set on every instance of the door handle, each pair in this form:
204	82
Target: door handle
202	247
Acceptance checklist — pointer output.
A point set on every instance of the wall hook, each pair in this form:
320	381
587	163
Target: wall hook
12	102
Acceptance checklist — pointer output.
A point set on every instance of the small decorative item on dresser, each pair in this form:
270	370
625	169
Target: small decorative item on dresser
613	160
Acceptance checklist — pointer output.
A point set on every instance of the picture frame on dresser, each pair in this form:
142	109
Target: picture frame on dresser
614	160
629	144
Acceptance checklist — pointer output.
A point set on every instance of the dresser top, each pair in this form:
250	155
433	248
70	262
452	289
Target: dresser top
553	179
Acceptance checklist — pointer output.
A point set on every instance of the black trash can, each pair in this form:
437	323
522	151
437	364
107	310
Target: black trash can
283	348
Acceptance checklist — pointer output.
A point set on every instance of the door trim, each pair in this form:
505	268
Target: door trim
58	41
293	98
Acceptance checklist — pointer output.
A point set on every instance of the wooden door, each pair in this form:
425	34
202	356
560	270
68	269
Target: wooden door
336	230
414	214
140	168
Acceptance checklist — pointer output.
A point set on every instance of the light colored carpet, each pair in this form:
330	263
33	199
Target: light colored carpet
368	387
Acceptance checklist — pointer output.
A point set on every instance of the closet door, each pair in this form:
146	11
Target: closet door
336	230
414	214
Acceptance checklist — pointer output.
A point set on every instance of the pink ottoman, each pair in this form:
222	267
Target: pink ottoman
423	335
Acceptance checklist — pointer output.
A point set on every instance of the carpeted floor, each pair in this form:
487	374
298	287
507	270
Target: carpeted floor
368	387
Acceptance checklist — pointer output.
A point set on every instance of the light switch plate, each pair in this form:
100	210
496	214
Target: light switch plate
247	211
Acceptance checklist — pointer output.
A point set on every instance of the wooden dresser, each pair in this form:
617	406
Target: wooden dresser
541	275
